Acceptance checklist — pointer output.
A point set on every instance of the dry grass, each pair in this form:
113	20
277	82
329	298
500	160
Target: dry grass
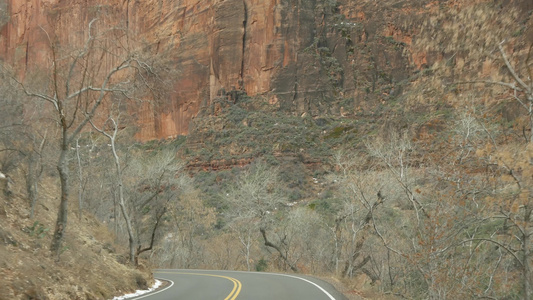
88	268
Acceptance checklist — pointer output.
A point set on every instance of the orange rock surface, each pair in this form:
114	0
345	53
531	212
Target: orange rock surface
271	48
217	45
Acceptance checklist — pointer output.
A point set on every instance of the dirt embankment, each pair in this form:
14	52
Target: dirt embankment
91	265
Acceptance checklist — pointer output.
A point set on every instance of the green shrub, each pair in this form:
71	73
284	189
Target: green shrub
261	265
38	230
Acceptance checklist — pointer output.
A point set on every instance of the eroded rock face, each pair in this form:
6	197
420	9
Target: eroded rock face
304	57
290	51
217	46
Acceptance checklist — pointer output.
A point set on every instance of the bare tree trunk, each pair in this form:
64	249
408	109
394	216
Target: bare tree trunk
152	239
247	245
281	254
31	185
246	242
349	266
337	235
61	222
531	122
3	182
35	170
245	238
115	211
526	254
80	178
121	202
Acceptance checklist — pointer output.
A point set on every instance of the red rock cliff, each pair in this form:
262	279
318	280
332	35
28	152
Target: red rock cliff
302	56
216	45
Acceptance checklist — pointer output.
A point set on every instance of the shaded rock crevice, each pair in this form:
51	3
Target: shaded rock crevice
244	26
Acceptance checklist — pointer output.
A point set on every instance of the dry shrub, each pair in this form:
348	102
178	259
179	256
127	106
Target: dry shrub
460	44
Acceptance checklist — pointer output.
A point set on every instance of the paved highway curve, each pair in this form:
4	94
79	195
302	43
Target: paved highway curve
235	285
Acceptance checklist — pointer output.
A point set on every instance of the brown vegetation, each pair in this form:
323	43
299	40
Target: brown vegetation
92	265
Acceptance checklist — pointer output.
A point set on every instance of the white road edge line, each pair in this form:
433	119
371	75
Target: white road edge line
151	294
309	281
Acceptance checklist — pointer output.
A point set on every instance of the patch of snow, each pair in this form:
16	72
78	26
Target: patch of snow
2	176
139	292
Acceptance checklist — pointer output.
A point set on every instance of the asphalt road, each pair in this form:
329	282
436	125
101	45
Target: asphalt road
232	285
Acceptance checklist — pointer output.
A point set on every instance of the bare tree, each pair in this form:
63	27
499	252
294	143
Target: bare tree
394	153
511	206
252	200
22	138
79	83
245	230
81	180
155	185
521	86
361	193
34	170
187	223
302	236
112	125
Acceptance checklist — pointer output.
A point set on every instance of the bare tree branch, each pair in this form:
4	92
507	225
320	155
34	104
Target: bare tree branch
504	247
512	70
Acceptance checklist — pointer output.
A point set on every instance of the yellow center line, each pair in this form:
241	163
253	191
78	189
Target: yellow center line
237	285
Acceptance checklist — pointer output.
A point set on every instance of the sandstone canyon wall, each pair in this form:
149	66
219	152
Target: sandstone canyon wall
303	56
216	46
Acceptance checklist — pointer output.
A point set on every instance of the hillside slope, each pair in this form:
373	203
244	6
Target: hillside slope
89	267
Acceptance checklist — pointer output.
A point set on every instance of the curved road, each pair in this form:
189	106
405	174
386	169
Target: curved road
232	285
